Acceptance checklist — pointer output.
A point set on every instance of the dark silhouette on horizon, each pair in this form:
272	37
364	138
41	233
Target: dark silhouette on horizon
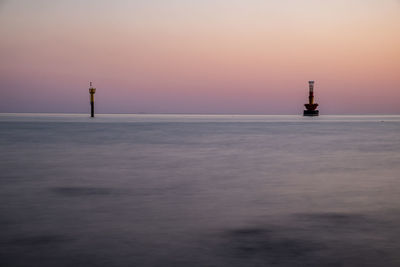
311	107
92	91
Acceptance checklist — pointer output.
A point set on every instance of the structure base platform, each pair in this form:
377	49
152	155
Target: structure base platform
311	113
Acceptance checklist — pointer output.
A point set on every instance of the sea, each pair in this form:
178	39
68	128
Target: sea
199	190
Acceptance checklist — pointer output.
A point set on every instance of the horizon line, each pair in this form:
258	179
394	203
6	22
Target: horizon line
203	114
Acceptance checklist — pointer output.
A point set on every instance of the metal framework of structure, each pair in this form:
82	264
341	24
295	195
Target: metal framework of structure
92	91
311	107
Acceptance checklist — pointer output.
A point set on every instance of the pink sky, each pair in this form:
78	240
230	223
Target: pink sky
220	56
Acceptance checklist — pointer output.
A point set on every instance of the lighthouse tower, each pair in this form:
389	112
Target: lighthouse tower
311	107
92	91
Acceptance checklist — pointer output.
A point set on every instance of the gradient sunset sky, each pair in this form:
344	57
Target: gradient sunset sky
200	56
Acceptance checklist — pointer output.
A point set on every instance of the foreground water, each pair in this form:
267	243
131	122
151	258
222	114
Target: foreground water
188	190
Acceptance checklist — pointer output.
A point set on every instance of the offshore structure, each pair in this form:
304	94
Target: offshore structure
311	107
92	91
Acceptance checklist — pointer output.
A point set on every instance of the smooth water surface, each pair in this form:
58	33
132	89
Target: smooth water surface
199	190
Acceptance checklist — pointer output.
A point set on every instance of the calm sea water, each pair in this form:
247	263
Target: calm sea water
189	190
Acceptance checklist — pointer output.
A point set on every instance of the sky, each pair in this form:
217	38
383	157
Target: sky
200	56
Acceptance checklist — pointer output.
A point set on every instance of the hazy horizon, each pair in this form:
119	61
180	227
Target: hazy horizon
207	57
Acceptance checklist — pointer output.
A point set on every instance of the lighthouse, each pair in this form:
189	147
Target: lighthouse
92	91
311	107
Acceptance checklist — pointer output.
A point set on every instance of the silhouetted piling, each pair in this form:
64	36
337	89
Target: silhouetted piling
92	91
